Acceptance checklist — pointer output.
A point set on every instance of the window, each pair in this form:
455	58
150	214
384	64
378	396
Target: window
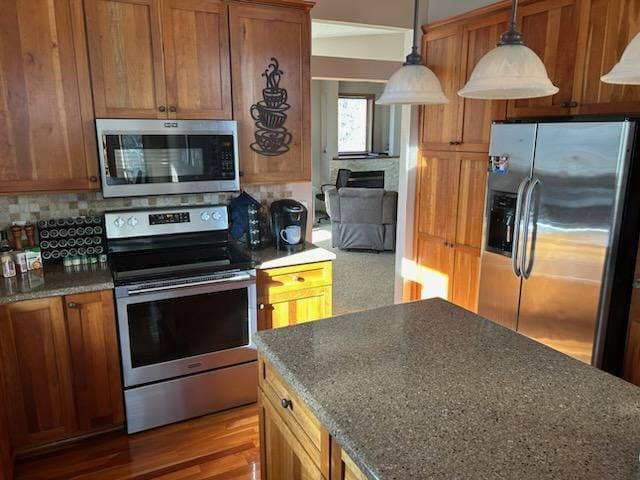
355	123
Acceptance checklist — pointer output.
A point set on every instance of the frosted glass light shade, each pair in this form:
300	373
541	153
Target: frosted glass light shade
627	70
509	72
413	85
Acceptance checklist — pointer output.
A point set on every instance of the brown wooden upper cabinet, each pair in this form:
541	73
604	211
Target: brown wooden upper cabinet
47	135
452	52
275	135
441	124
607	27
550	29
159	58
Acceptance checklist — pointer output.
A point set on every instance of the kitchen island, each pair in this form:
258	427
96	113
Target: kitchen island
429	390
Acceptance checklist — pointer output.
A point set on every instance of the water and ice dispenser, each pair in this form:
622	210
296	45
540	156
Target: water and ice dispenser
501	222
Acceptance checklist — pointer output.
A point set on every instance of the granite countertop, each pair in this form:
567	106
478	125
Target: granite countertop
269	257
55	280
429	390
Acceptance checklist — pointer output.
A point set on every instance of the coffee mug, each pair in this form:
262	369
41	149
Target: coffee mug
270	117
291	234
274	97
272	141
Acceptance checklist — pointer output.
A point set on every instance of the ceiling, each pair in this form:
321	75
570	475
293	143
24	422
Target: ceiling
329	29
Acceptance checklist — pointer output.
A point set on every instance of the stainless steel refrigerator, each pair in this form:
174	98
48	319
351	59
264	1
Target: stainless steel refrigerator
559	232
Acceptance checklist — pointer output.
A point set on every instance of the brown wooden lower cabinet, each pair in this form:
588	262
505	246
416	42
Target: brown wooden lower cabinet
293	443
6	450
59	368
294	295
96	365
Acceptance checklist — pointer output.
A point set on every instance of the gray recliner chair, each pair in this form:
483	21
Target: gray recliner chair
363	218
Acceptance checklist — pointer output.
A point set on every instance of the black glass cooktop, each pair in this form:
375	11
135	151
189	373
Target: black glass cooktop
174	256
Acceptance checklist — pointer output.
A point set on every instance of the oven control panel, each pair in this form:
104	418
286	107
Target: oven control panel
145	223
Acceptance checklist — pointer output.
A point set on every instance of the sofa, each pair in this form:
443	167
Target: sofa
363	218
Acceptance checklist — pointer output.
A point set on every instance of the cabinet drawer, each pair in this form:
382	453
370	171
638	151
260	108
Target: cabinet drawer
299	419
285	279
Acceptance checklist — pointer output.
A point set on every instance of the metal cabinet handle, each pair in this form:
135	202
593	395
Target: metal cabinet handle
261	306
516	228
526	269
571	104
173	109
296	278
72	305
93	179
162	108
455	143
286	403
636	283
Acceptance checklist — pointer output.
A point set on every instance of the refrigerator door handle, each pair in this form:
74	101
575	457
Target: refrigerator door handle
526	269
516	228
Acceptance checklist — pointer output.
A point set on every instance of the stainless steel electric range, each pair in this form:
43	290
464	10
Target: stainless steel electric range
186	305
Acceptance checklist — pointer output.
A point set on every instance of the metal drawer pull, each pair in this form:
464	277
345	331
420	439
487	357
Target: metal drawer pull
72	305
286	403
636	283
261	306
296	278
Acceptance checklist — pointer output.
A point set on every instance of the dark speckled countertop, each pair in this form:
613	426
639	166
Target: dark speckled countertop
427	390
55	280
269	257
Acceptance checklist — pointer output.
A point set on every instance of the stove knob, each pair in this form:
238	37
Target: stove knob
204	216
217	216
119	222
133	221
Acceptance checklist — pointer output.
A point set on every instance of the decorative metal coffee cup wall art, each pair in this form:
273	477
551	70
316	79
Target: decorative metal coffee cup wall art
272	137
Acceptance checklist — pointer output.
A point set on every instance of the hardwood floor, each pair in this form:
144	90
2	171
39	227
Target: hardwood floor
222	446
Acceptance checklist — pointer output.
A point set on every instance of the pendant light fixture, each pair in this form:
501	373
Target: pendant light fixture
510	71
627	70
413	83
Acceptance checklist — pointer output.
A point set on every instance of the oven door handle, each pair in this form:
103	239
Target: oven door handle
240	278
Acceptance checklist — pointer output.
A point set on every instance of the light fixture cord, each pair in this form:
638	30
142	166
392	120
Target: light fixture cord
414	58
512	36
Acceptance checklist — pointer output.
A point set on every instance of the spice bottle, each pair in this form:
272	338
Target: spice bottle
8	266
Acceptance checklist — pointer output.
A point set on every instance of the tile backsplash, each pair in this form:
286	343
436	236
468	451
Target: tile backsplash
61	205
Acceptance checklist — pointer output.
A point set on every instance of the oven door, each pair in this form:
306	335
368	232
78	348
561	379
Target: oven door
156	157
167	331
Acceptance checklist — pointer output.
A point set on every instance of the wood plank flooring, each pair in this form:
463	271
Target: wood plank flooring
222	446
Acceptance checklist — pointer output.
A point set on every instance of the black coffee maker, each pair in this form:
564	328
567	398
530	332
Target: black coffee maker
288	225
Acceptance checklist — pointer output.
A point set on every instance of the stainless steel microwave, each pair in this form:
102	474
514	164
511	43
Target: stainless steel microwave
159	157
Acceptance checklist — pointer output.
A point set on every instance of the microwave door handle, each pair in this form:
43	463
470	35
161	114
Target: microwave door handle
525	267
516	228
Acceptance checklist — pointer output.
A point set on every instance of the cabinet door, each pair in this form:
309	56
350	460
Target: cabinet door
471	197
197	65
282	455
36	370
437	195
466	278
550	29
480	37
96	363
47	135
606	29
6	451
275	145
435	268
441	124
295	307
125	49
631	367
